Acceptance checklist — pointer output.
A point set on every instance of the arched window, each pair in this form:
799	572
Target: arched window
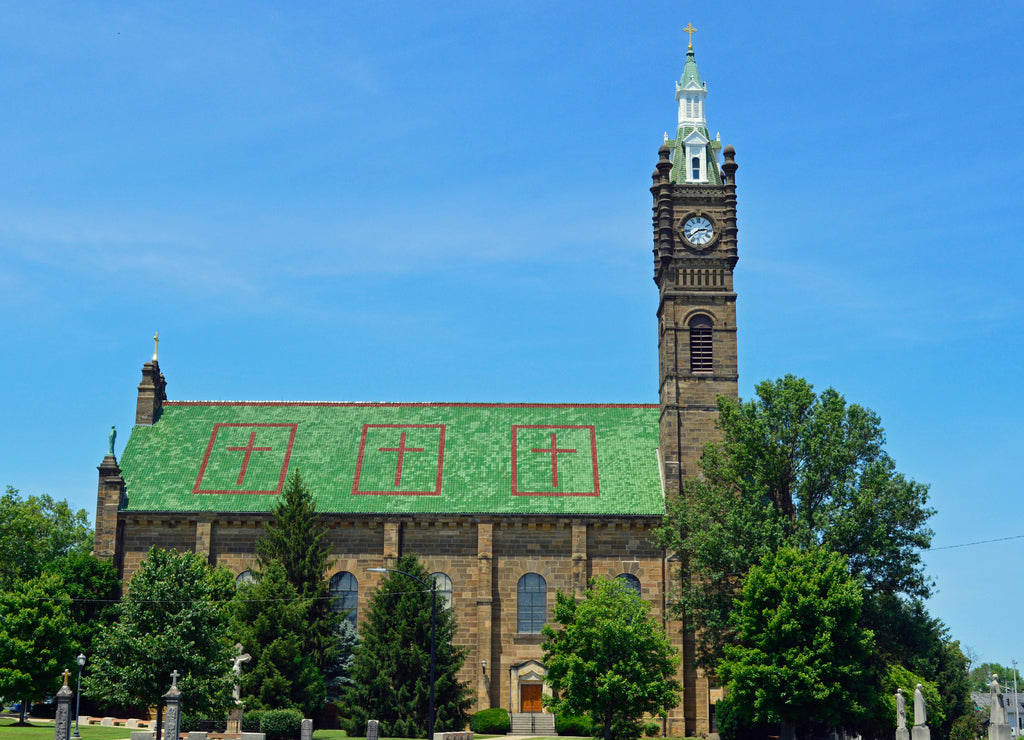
695	166
533	603
344	592
701	359
631	581
244	577
443	584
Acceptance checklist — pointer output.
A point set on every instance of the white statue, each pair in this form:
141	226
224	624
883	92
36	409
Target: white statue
920	710
901	710
997	708
236	666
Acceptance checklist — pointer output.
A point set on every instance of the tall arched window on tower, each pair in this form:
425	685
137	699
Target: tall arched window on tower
532	605
695	166
443	585
344	592
701	358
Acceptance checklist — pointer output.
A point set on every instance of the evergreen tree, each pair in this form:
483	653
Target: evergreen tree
297	538
391	671
338	675
270	620
174	617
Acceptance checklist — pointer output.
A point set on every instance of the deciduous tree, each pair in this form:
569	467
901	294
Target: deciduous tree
175	617
36	530
610	660
36	643
800	655
793	467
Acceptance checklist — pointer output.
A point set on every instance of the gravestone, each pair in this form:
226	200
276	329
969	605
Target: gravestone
372	733
172	717
132	724
107	722
62	719
306	730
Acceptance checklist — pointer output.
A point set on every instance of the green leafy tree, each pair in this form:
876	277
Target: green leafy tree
391	670
35	531
800	656
36	640
94	589
898	677
611	661
981	676
270	621
793	467
175	616
297	538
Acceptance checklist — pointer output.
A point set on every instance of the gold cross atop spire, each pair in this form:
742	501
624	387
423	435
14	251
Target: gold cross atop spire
690	30
156	344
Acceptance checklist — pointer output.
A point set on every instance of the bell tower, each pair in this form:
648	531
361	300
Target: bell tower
694	257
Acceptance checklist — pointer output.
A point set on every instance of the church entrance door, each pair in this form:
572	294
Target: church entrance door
529	697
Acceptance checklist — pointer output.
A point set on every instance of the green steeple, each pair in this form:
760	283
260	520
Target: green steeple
690	73
694	151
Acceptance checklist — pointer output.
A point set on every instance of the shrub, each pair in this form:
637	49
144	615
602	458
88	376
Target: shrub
490	721
251	720
573	725
281	724
652	729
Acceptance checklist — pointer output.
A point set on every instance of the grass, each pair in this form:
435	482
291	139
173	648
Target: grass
41	730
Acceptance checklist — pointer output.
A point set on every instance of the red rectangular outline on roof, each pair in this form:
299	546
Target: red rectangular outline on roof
593	452
284	467
362	446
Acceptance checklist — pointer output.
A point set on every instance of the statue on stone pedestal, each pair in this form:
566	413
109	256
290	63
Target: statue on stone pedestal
920	710
901	710
997	708
236	667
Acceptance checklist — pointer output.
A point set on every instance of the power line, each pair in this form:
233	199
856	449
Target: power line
979	541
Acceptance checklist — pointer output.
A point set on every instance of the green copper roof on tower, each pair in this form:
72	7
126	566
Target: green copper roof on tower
690	73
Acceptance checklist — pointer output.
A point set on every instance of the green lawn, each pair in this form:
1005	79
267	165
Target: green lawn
41	730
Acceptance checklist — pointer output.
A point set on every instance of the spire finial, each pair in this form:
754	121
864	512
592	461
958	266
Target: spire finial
156	344
690	30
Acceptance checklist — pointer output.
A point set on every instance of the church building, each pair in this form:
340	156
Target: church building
503	503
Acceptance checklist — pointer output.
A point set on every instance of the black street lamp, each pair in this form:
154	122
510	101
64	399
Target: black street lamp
78	694
433	639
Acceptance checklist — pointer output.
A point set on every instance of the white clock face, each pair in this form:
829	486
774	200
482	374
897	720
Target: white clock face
698	230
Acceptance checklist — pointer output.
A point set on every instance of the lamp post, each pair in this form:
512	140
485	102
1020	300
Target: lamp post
433	639
78	693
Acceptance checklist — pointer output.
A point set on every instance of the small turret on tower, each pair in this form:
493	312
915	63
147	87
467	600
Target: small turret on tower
152	390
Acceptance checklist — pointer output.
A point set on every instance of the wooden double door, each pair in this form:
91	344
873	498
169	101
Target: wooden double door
529	697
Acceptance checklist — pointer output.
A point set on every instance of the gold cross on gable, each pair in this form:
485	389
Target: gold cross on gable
690	30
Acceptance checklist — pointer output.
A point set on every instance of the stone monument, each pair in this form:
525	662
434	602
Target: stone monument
235	717
372	730
62	719
306	730
920	730
902	733
172	718
998	726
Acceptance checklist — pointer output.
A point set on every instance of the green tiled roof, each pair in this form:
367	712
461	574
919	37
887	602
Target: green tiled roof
678	156
398	458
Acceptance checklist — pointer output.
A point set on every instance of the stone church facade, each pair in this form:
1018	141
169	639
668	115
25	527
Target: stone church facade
504	503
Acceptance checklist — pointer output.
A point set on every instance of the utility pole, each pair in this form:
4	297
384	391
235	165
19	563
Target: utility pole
1016	702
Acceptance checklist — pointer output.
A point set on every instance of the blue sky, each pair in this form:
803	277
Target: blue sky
449	201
